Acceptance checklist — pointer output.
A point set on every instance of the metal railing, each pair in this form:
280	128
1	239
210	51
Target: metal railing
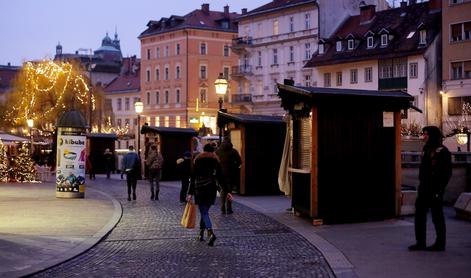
241	98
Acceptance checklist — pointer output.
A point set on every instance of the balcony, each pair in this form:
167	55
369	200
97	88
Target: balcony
241	98
241	71
397	83
240	44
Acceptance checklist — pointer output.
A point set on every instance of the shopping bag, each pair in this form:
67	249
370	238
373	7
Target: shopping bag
189	216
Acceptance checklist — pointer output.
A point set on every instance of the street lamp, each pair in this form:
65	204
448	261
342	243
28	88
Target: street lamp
139	107
462	137
221	89
30	123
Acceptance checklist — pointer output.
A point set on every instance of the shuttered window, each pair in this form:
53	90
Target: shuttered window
302	143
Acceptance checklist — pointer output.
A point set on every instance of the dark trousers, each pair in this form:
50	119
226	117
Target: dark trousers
422	206
226	205
131	180
108	170
184	189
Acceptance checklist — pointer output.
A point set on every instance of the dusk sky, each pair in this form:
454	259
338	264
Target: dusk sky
31	29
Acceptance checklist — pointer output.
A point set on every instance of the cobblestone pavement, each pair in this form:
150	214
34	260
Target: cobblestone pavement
149	241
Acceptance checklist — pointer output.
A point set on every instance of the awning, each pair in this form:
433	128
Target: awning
9	139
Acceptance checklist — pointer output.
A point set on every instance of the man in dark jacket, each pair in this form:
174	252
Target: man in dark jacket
184	168
131	167
230	162
434	174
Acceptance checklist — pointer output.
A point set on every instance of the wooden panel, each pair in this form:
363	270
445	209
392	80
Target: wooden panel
397	159
314	169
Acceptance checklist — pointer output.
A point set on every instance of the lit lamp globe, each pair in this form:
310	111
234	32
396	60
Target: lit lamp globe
461	138
221	85
139	107
30	123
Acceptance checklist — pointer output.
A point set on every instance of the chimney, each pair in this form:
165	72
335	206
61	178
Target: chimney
367	12
226	11
435	5
412	2
9	64
403	4
205	8
244	10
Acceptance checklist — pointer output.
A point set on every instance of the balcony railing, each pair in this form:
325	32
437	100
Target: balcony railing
239	44
241	70
393	83
241	98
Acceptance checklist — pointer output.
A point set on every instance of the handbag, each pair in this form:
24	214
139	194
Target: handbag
189	216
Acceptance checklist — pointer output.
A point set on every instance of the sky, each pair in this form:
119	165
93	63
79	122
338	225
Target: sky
31	29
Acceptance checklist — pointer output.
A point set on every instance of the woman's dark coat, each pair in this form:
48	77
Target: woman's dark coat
206	175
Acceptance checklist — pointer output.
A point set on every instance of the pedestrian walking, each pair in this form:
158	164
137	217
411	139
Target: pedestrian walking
205	177
108	155
230	162
155	162
91	166
131	167
184	168
434	174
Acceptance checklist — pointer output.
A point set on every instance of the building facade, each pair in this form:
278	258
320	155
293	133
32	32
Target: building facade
182	56
456	64
8	74
275	41
395	49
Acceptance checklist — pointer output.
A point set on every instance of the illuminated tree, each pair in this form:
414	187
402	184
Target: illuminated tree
4	169
23	166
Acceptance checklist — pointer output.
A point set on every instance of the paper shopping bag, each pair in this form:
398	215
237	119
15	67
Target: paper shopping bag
189	216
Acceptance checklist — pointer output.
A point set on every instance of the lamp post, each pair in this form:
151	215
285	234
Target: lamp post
139	107
221	89
30	123
462	138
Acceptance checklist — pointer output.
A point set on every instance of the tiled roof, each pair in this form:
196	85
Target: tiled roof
199	19
276	5
399	22
129	80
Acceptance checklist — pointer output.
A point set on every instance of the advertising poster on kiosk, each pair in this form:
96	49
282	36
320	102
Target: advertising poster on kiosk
71	155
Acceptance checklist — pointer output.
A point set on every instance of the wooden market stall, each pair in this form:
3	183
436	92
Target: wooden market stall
97	144
259	140
346	163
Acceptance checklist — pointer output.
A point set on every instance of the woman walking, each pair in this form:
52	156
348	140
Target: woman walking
206	176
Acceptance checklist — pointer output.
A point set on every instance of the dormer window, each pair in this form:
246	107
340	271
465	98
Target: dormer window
423	36
369	42
351	44
384	39
321	48
338	46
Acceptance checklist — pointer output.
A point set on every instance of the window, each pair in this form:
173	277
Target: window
275	87
291	53
148	54
166	51
423	36
166	121
307	80
413	68
338	46
275	27
321	48
157	74
307	51
455	105
177	121
307	21
369	42
460	31
259	59
157	97
203	98
327	79
166	73
353	76
126	104
148	98
339	78
392	68
177	96
157	121
177	50
226	73
226	51
275	56
350	44
177	72
118	122
369	74
291	24
120	104
203	72
166	97
384	40
461	70
157	52
203	48
147	75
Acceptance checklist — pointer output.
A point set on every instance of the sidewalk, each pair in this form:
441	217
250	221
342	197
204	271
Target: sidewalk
38	230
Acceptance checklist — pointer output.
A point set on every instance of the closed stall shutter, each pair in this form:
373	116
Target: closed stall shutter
302	144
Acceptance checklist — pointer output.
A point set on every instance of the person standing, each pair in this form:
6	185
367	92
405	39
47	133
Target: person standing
91	166
155	162
131	165
434	173
205	177
184	168
108	155
230	162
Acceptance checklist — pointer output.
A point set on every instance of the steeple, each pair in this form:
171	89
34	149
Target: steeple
58	49
116	40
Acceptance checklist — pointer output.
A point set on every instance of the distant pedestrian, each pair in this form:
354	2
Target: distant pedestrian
434	174
91	166
205	177
130	167
108	155
230	162
155	162
184	169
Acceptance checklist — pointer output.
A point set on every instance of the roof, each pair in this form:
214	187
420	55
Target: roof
275	5
129	80
197	19
7	138
169	130
246	118
103	135
399	23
